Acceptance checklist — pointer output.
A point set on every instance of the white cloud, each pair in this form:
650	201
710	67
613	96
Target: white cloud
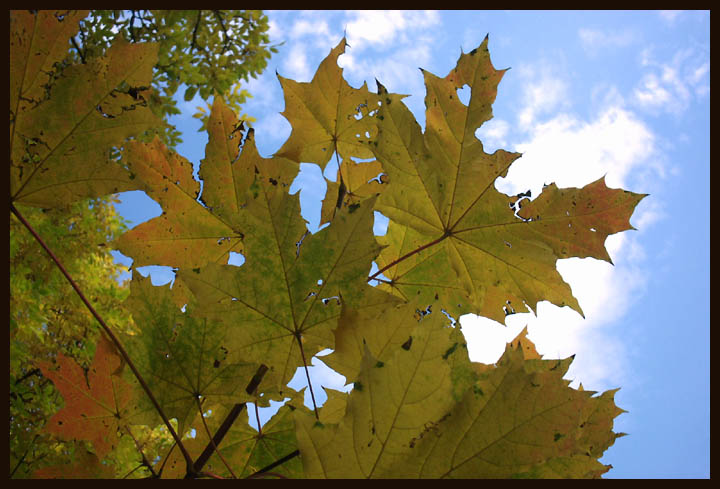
595	41
304	27
296	64
651	93
673	85
572	152
543	93
397	71
670	16
493	134
378	27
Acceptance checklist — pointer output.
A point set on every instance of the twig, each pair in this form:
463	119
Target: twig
32	372
212	442
229	420
77	48
110	334
287	457
195	30
257	418
145	461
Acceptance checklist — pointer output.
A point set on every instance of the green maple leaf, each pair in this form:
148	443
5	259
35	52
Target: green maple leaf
518	419
183	358
355	182
327	115
283	303
441	188
248	450
392	401
190	234
60	140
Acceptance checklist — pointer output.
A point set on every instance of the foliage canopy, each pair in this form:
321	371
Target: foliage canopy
222	336
207	51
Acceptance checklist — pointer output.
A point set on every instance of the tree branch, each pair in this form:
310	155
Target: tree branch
195	31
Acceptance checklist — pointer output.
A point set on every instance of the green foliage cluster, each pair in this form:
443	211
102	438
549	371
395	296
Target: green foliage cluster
207	51
47	318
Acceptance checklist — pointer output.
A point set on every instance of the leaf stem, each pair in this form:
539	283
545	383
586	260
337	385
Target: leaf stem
307	374
109	332
257	418
408	255
229	420
281	461
145	461
207	430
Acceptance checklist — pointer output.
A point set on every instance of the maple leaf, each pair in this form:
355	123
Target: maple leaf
441	187
519	419
96	403
327	115
86	465
354	183
283	303
184	358
61	140
420	277
365	326
189	233
392	401
248	450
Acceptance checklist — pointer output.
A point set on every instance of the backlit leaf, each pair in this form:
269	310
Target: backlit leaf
442	187
392	402
60	142
354	183
520	419
96	403
189	234
283	303
327	115
184	358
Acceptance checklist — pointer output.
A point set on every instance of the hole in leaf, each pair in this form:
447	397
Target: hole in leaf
235	259
463	94
327	300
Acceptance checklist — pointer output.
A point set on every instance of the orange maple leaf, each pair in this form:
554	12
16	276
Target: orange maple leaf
94	403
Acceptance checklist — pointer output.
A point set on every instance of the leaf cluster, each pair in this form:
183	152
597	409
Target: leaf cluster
222	338
207	51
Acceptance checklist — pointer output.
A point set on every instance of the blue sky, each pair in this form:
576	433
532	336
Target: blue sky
620	94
